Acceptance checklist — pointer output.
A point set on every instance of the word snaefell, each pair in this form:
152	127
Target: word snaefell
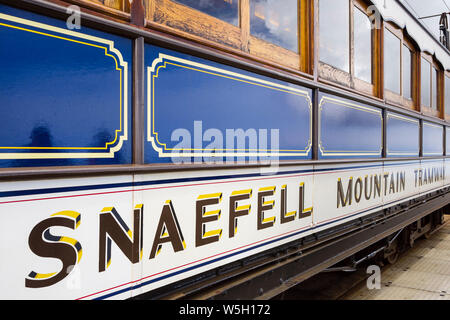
112	228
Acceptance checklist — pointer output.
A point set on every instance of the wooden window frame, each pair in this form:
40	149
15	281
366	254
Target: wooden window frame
428	110
186	22
122	5
392	97
116	9
327	73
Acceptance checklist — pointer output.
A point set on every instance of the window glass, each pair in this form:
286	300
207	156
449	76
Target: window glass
407	72
226	10
275	22
392	46
363	46
434	89
447	94
334	33
425	82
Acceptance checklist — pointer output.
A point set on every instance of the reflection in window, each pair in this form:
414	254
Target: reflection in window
275	22
363	46
425	82
447	94
226	10
434	103
407	73
392	47
334	33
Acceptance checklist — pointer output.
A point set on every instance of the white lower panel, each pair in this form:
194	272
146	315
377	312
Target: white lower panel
130	234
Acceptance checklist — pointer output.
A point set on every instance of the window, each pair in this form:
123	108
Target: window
198	20
363	46
434	89
334	33
431	85
281	31
275	22
226	10
399	67
347	44
392	69
275	33
425	86
407	73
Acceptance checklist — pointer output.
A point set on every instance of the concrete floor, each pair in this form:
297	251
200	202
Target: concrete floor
421	273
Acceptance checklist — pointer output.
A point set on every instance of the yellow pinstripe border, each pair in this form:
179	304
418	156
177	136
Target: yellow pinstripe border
164	60
121	66
405	119
352	106
436	127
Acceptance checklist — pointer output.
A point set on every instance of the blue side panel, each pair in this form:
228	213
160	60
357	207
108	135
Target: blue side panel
447	140
348	129
65	94
432	139
198	110
402	136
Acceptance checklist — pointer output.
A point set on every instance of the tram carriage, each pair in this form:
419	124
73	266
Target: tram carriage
213	149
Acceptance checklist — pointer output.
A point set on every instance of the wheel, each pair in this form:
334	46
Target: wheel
392	258
392	252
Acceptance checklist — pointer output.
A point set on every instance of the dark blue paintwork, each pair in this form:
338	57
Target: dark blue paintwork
447	140
60	93
402	136
186	94
348	129
432	139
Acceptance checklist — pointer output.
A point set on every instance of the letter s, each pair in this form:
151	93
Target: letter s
44	244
